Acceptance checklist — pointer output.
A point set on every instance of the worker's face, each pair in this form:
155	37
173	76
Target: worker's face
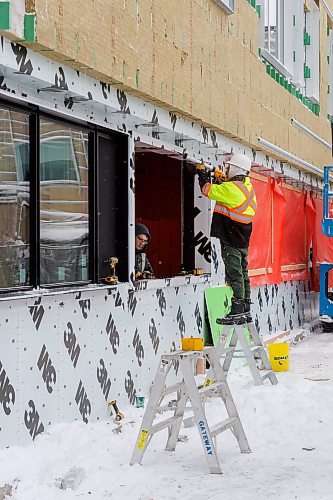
141	240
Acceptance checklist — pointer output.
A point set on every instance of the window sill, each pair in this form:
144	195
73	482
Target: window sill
189	279
226	5
275	63
138	285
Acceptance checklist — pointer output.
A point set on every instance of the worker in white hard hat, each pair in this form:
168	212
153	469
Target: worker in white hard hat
234	210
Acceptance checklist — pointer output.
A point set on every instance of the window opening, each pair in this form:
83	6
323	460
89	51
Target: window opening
273	18
311	51
165	204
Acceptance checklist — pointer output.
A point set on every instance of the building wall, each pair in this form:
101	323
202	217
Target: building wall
121	331
188	56
64	356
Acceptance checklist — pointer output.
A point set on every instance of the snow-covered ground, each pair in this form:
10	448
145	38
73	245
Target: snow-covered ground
289	427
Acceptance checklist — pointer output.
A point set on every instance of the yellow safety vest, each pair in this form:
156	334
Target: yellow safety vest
234	199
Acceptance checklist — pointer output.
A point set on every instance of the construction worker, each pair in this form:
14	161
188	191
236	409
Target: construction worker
143	268
234	210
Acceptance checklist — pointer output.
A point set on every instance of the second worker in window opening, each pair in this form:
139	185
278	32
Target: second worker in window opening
143	268
234	210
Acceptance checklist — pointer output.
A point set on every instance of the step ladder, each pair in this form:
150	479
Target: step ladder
252	354
188	390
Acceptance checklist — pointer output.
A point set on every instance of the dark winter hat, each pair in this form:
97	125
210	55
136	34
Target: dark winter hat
142	229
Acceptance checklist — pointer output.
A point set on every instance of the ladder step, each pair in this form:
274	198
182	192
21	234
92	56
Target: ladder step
172	388
223	426
267	375
165	423
229	349
169	408
211	387
256	348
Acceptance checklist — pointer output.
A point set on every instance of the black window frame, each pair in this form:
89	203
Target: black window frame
95	237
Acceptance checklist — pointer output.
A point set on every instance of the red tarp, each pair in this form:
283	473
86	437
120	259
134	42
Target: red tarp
286	223
260	250
265	249
297	234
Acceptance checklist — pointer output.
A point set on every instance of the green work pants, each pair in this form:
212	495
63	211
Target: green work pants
236	272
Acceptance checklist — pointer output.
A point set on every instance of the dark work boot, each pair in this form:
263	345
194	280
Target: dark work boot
236	315
247	304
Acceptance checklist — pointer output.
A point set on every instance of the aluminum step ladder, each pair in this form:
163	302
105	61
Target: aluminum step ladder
252	354
187	390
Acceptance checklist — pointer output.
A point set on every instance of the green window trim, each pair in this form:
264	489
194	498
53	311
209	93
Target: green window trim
4	15
284	82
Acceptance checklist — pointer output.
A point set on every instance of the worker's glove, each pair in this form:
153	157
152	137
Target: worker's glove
219	176
200	167
147	275
203	178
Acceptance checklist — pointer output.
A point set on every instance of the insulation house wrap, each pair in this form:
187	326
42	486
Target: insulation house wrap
106	111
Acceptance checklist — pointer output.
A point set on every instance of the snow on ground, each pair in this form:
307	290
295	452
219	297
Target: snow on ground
289	427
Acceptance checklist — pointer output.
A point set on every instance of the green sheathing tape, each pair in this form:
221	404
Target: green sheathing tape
255	6
279	78
29	27
4	16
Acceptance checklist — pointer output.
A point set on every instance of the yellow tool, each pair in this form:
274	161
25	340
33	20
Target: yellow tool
112	279
119	416
219	176
146	275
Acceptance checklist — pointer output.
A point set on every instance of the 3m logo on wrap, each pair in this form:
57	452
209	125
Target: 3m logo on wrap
21	54
131	302
83	402
180	321
71	345
37	312
204	246
161	300
129	388
113	334
153	335
139	350
44	364
7	392
31	420
103	379
205	438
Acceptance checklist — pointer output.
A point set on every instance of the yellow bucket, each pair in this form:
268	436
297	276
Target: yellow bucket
279	356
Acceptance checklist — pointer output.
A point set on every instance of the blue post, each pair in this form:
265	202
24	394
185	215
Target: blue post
327	222
325	303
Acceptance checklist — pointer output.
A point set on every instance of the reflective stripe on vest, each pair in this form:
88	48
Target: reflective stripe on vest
237	213
205	190
249	197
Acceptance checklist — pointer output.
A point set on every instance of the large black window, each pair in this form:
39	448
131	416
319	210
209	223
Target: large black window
61	216
64	188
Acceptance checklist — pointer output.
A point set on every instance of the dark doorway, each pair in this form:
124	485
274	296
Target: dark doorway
163	195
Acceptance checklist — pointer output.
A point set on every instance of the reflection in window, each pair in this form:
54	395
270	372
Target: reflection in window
273	28
14	200
63	203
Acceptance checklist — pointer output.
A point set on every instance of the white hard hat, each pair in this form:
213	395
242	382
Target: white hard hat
239	164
